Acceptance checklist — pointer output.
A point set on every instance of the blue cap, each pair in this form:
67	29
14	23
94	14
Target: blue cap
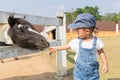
84	20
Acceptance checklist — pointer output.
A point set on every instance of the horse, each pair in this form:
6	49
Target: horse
23	34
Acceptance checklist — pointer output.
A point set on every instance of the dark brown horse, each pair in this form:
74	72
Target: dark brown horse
21	34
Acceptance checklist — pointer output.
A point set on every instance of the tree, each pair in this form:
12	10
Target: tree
93	10
111	17
68	17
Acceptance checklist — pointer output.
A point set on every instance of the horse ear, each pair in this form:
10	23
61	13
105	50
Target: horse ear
11	21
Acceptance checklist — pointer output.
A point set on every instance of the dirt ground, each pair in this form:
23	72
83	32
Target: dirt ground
39	66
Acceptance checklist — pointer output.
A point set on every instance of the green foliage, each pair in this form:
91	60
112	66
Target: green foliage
68	17
93	10
111	17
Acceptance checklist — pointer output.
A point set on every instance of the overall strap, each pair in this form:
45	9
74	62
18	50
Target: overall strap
94	41
80	44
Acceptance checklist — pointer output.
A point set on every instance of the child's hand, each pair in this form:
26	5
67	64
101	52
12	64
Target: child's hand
52	49
105	68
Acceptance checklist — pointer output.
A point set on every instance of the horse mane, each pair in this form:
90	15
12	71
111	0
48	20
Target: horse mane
12	21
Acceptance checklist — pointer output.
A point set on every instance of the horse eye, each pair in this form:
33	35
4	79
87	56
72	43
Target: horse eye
42	39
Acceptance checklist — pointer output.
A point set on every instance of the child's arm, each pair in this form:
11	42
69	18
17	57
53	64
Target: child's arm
104	59
56	48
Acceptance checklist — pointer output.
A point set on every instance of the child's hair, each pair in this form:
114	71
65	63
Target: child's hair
91	28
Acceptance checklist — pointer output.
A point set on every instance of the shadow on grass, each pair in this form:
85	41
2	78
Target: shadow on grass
69	58
43	76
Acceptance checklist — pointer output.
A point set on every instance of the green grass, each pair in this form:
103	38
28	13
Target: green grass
112	50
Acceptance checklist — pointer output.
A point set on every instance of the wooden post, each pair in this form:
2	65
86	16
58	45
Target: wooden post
61	55
117	30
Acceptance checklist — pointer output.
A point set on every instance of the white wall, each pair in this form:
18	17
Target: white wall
3	34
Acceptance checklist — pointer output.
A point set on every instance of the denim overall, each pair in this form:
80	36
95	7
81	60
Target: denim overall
86	66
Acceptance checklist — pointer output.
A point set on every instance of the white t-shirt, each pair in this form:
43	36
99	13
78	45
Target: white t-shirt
74	44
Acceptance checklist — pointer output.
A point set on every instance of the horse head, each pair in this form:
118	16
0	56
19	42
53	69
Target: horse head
22	33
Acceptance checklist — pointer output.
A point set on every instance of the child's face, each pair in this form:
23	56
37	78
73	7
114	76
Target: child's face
83	33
